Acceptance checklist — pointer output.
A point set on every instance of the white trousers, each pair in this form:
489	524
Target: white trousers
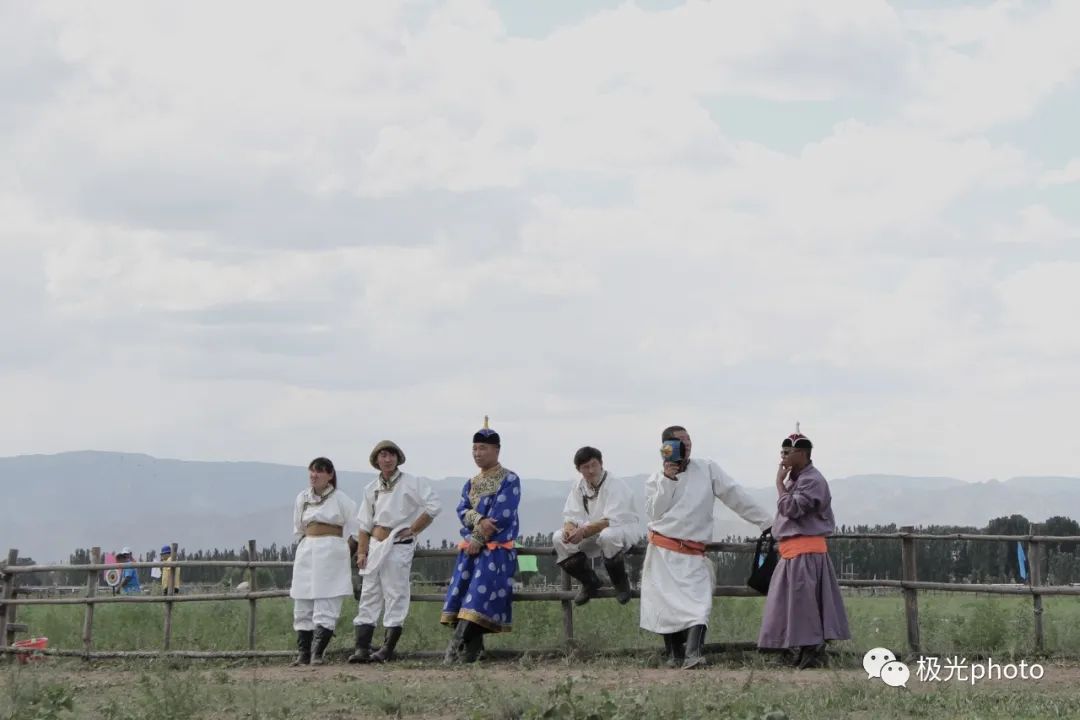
609	542
387	590
321	611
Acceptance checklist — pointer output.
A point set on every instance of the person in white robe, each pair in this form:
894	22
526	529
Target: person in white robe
395	509
677	578
322	518
599	519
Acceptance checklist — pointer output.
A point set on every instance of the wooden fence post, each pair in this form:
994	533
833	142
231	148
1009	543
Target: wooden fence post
7	612
911	595
567	612
1035	554
91	591
252	586
170	590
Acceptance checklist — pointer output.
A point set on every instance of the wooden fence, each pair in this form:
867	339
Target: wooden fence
909	585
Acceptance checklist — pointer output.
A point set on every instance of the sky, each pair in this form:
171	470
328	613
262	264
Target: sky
261	231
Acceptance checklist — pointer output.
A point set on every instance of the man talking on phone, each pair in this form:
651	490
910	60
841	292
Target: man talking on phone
677	579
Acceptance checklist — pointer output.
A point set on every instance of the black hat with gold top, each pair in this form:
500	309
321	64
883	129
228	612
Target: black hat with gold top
486	435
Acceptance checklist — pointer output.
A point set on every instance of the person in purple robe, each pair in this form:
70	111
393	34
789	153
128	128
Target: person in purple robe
804	608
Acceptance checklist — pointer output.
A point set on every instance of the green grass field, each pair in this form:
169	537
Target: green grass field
948	623
737	685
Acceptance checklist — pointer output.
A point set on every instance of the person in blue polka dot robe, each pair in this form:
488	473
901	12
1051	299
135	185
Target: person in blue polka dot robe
481	588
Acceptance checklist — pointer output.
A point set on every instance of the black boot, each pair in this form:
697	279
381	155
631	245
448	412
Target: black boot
616	570
362	653
578	567
812	656
322	639
675	648
303	646
669	650
679	640
457	643
474	643
386	652
694	644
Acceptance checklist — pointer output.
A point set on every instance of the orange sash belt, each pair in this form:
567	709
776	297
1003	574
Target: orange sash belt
686	547
793	547
508	545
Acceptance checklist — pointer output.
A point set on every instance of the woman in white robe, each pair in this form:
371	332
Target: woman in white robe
321	570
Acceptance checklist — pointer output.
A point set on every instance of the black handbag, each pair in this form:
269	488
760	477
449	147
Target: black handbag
764	562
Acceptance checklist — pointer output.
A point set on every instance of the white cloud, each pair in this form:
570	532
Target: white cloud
1037	225
1066	176
1039	307
264	240
993	65
961	25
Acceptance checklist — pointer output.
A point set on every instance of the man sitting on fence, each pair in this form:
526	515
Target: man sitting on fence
677	579
598	519
804	608
478	599
395	509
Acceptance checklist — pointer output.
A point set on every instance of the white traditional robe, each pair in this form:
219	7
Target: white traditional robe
676	589
612	502
387	577
321	567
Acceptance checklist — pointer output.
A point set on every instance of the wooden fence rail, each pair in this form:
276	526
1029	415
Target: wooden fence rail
909	585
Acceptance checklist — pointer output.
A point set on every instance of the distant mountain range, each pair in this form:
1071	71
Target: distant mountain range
56	503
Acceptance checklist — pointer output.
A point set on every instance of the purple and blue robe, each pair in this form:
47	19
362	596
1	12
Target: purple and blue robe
481	588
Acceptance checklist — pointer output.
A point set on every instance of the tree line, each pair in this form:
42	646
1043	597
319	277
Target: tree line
953	561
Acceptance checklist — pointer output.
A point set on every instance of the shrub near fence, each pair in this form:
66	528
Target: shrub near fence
908	584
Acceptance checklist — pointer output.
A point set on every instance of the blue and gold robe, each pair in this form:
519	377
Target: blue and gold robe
481	588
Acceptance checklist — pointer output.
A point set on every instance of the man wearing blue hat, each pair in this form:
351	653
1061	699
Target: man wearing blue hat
481	588
169	572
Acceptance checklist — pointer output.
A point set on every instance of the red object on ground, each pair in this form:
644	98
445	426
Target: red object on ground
38	643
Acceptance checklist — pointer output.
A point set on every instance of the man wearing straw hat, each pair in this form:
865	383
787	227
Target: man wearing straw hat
395	509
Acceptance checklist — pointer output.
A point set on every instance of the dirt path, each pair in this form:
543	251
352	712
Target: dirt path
1056	674
427	691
